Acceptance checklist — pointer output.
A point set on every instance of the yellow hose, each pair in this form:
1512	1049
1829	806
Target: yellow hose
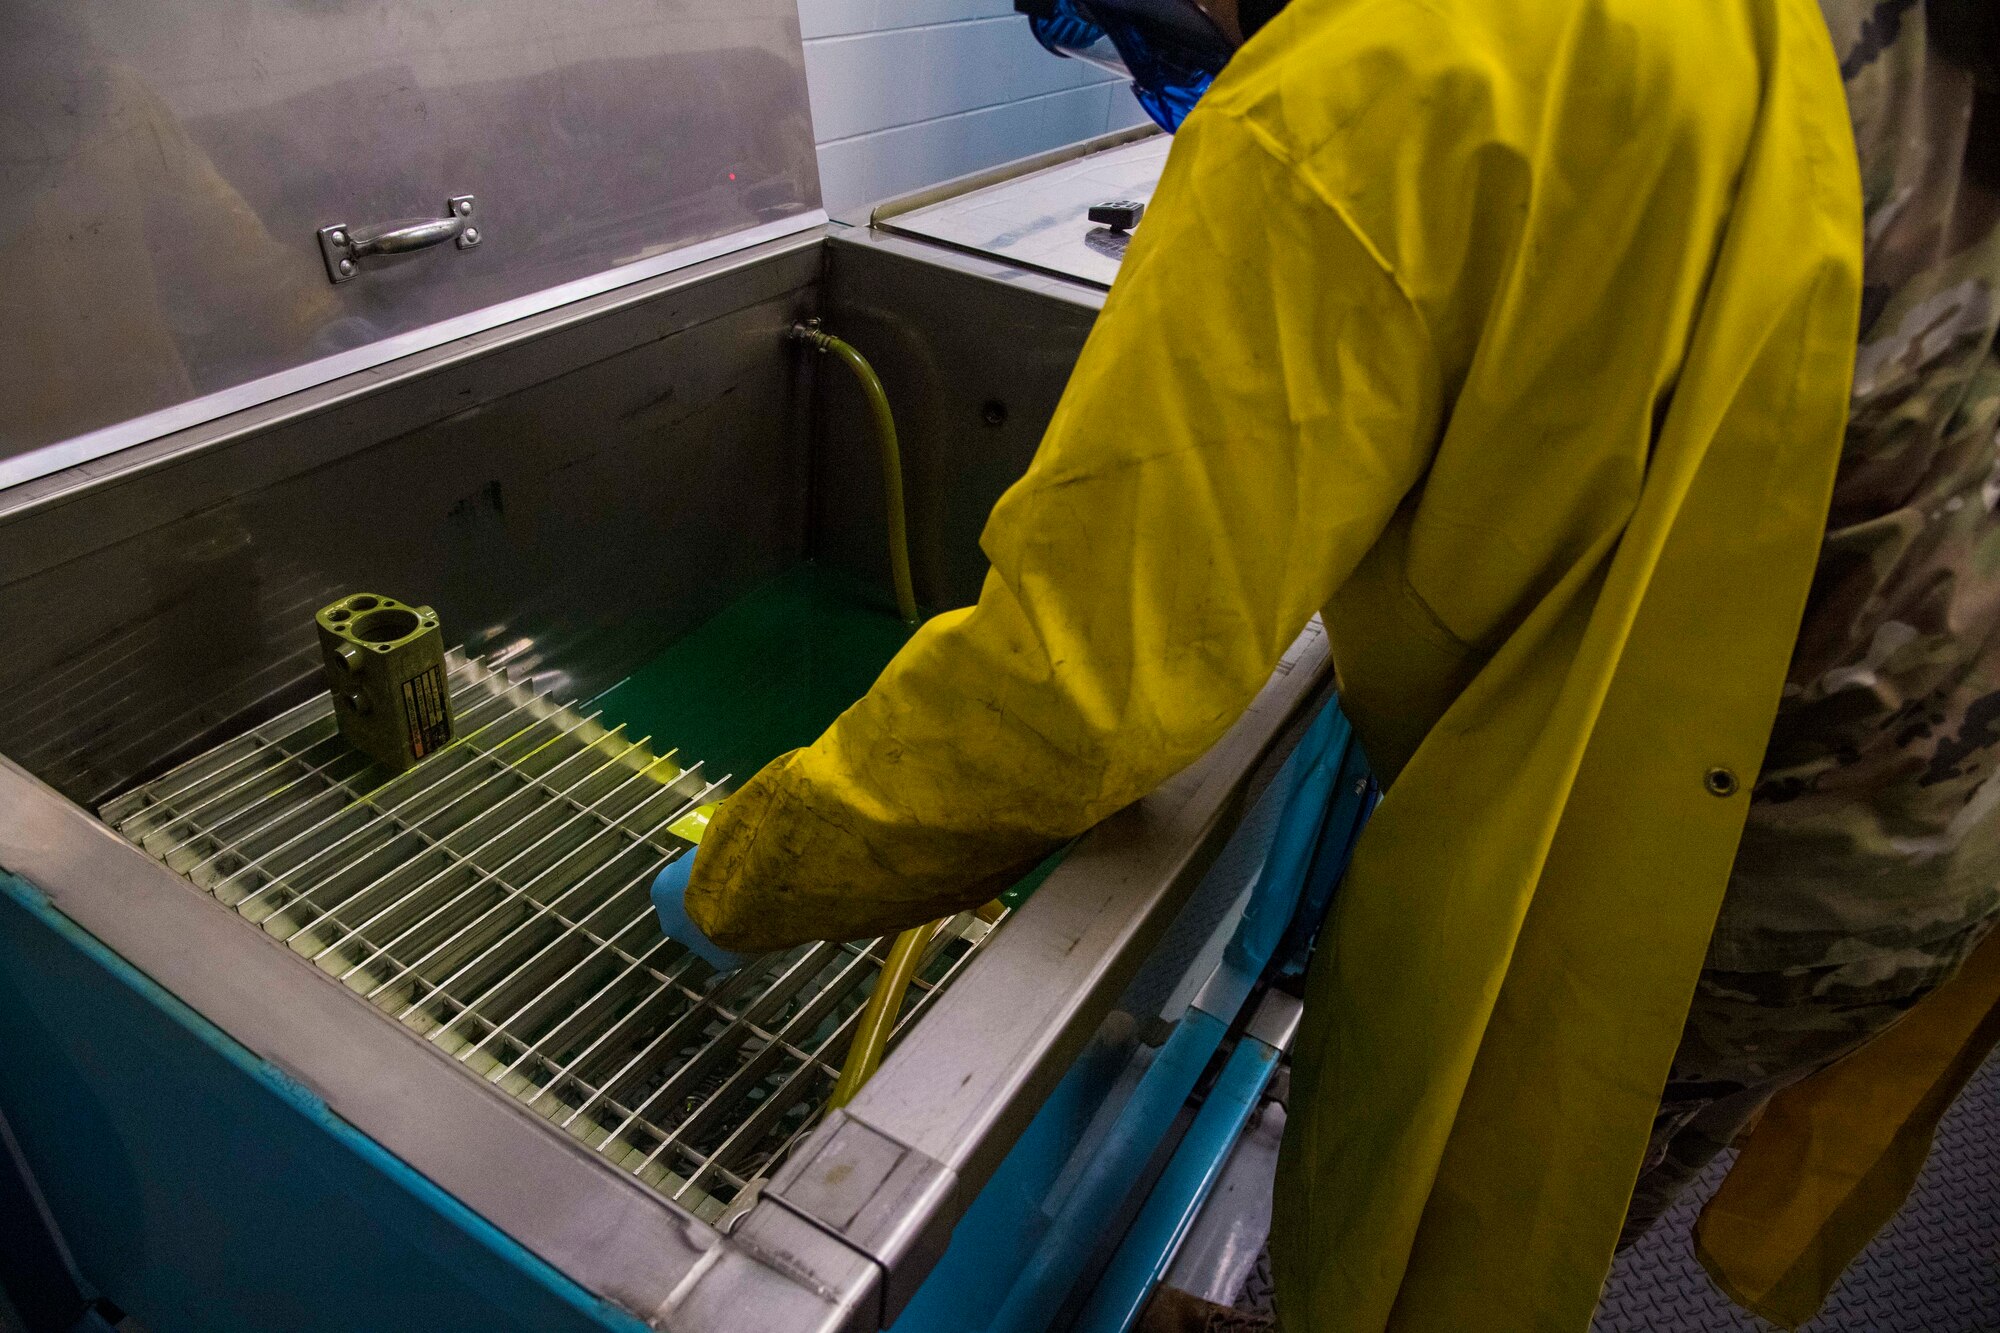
892	462
878	1016
885	1002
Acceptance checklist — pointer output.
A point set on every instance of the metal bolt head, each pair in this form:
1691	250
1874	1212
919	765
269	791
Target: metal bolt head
1720	782
472	235
464	207
337	237
346	268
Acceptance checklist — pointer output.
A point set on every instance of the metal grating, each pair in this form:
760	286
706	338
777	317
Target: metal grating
494	900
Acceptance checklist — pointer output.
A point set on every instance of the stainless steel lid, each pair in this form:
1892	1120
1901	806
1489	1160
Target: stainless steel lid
1037	215
206	205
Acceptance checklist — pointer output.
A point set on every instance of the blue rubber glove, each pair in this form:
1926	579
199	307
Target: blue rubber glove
670	902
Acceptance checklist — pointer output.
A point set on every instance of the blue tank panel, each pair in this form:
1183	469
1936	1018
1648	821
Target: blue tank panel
203	1191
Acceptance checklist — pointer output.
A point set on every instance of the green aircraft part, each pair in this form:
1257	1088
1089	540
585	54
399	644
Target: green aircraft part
385	668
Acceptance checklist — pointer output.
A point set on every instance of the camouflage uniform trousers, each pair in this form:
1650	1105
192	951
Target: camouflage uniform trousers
1749	1035
1870	866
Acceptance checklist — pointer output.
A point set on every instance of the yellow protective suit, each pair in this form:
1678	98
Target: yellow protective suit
1833	1157
1516	336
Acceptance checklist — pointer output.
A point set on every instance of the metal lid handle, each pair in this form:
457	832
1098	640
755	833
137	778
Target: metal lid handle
343	247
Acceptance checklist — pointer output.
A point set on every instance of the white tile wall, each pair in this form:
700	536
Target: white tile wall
906	93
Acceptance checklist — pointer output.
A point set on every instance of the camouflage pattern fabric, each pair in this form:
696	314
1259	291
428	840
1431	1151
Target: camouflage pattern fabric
1870	865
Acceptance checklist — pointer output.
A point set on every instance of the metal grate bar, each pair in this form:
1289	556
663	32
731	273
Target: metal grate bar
556	908
513	812
525	891
495	900
234	842
205	853
579	931
741	1028
390	886
259	749
455	784
511	826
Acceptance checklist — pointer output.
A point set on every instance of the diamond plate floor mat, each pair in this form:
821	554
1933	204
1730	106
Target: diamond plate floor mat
1259	1294
1935	1269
